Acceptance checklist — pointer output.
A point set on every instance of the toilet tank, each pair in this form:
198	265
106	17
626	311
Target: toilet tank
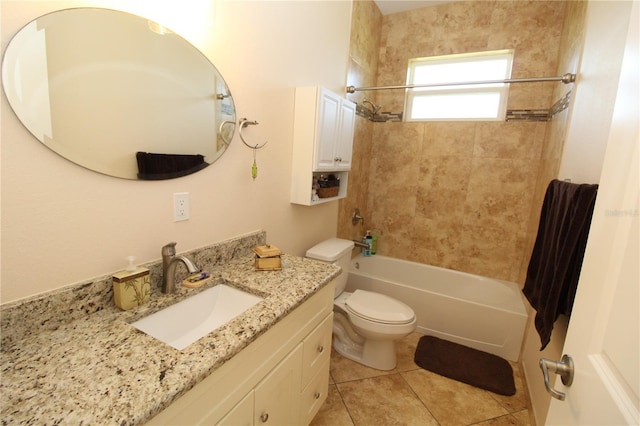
338	252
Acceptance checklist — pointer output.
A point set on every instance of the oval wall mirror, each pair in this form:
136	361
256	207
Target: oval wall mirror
118	94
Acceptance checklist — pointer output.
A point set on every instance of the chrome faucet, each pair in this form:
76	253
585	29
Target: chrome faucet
361	244
169	263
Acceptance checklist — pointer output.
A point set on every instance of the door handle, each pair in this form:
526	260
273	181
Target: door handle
564	368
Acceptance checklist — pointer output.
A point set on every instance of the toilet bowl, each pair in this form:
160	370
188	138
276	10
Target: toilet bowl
366	324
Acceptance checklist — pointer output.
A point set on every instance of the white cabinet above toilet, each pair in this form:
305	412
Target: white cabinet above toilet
323	129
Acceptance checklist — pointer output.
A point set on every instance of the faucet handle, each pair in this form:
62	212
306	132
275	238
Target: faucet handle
169	249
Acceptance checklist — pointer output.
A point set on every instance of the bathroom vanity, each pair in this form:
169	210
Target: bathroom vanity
281	378
73	357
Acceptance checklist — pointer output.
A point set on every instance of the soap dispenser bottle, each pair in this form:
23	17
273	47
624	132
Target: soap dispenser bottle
131	287
368	240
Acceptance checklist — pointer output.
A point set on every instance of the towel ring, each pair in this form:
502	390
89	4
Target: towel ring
244	123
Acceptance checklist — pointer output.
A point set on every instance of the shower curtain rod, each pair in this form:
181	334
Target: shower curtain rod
566	79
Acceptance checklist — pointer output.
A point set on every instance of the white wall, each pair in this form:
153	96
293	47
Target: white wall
62	224
531	354
595	91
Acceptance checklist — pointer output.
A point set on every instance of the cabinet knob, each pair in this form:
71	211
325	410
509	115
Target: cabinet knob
337	159
320	348
316	395
264	417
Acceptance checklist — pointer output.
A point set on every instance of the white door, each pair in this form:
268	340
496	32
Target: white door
604	330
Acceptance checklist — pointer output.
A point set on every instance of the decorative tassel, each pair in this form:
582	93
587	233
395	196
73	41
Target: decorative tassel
254	168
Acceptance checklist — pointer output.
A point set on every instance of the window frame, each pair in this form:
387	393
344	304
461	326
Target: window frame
471	59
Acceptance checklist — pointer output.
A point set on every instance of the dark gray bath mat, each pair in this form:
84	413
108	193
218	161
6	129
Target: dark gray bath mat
467	365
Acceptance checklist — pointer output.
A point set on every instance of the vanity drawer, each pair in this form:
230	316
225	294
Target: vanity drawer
316	349
314	395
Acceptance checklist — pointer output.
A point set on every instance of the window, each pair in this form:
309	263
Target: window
459	102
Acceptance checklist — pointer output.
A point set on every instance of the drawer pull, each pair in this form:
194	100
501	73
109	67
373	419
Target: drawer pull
316	395
264	417
320	348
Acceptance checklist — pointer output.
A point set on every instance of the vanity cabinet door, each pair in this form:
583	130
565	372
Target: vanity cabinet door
241	414
315	394
317	349
277	396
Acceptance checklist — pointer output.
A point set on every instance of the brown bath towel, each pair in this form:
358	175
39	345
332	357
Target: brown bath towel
554	268
153	166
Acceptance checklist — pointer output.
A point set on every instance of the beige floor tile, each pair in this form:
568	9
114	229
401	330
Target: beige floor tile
405	351
343	369
520	400
364	396
384	400
333	412
452	402
524	418
507	420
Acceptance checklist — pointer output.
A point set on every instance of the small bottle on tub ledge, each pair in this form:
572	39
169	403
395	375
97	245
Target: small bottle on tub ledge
368	240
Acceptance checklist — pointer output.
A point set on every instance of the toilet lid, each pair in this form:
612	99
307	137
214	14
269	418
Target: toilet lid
378	307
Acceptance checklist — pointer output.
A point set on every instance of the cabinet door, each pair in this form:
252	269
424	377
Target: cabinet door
316	349
344	142
327	127
241	414
314	395
277	397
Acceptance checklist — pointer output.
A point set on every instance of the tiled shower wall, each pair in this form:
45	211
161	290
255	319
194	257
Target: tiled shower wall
366	22
455	194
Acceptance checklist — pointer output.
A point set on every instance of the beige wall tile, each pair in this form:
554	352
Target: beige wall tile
518	140
462	195
456	138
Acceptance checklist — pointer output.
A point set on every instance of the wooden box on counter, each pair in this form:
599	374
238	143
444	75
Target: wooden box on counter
268	258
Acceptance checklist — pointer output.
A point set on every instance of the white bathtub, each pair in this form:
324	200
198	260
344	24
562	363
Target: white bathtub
478	312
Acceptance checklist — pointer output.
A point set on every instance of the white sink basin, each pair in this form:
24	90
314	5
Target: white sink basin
185	322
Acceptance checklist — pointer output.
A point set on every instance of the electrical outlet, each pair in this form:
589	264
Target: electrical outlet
180	206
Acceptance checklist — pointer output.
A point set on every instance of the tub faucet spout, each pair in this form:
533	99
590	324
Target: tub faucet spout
169	263
361	244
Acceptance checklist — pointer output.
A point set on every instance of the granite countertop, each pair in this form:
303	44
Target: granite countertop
98	369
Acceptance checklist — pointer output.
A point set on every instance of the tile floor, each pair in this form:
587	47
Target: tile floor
409	395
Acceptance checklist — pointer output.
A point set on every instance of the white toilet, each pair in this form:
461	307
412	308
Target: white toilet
365	324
